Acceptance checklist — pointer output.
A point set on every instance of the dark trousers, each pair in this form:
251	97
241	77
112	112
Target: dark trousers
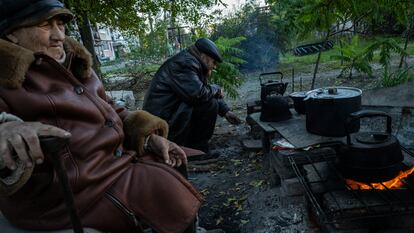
201	127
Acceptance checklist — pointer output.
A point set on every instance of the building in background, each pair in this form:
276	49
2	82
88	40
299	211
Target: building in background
110	44
104	43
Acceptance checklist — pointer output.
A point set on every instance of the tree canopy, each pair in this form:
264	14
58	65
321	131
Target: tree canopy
132	15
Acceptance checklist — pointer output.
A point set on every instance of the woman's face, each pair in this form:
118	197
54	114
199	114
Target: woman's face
46	37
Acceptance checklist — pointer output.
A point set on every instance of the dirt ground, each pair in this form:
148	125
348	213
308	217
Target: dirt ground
239	195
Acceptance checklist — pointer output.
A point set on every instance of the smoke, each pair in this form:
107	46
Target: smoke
260	54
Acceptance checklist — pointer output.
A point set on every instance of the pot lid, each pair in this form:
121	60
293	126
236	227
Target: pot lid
334	93
298	94
372	138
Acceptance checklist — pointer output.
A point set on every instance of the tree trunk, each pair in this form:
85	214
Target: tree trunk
317	62
340	42
350	70
407	39
88	41
316	70
342	53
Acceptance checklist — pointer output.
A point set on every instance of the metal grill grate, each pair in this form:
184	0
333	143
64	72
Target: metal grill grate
337	202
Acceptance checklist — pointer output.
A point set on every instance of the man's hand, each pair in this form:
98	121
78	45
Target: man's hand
22	139
218	93
172	154
232	118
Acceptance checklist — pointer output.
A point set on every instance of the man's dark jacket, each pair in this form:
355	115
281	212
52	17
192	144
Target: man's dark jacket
178	86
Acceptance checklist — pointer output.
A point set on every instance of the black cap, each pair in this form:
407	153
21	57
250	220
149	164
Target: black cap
15	14
208	47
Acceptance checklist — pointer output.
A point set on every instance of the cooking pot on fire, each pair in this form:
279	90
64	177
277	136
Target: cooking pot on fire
370	157
327	109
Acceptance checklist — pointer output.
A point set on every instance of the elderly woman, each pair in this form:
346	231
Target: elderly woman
47	88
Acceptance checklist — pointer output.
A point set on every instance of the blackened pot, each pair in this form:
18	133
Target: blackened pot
298	101
328	108
275	109
370	157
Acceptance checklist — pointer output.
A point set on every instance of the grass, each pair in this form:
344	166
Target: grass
410	49
135	69
306	63
301	64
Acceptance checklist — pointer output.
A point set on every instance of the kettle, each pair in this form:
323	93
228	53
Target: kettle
370	157
275	107
271	87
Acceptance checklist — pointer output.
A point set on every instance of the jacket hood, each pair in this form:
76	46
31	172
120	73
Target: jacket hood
15	62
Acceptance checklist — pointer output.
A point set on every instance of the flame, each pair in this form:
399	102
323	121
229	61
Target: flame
395	183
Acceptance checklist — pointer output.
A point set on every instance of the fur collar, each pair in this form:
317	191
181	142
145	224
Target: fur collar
15	61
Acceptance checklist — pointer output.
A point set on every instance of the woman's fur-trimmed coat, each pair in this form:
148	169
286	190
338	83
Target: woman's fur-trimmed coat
100	168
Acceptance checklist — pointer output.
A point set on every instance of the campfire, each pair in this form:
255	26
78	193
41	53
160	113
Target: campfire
395	183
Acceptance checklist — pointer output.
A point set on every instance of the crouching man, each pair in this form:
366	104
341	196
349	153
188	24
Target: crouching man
180	94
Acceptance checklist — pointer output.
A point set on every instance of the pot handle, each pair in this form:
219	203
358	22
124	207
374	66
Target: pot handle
270	73
362	114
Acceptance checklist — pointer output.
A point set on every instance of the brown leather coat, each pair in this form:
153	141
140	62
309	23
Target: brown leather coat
35	87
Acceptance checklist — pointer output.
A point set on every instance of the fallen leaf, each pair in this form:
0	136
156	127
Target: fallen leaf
237	162
257	183
219	220
242	221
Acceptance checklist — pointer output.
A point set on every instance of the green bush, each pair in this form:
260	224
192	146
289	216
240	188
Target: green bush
354	58
396	78
227	74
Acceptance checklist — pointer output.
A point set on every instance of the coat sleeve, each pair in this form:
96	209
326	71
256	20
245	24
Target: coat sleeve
22	173
223	107
186	83
138	125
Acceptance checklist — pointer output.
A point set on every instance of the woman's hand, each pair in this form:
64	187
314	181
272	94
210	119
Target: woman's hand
170	152
22	139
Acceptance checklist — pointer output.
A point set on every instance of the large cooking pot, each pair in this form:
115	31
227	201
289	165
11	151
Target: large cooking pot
370	157
328	108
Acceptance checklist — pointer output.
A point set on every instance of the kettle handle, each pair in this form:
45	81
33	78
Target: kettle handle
270	73
362	114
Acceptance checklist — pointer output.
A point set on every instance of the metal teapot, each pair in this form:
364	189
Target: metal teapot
370	157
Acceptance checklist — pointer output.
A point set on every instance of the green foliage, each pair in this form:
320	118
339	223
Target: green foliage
390	79
153	44
385	47
354	58
359	58
132	15
284	19
227	74
120	14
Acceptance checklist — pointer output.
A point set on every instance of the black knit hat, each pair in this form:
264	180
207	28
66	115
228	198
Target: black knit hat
208	47
15	14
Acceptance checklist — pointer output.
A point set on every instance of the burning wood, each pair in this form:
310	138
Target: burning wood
395	183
